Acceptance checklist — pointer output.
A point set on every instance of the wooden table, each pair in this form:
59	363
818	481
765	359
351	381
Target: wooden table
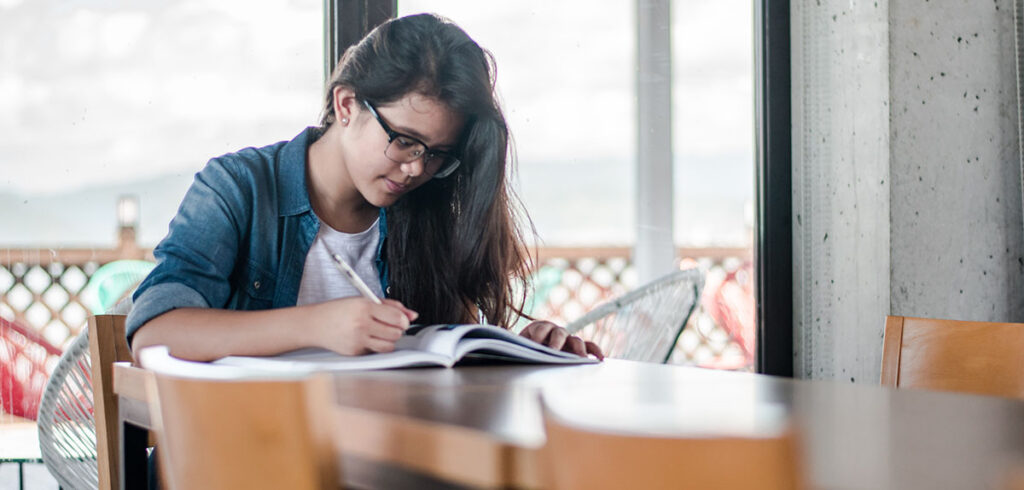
480	426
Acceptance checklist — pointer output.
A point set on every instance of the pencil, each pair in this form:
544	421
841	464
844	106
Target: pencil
354	278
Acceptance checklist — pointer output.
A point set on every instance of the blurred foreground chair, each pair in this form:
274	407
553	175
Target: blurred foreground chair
644	324
973	357
218	427
583	458
78	433
1015	478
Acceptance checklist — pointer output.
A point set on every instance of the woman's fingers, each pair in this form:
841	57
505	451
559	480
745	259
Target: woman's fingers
389	314
575	345
386	332
378	345
556	338
411	315
538	331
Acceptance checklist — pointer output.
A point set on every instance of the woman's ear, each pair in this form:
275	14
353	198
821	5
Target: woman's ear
346	104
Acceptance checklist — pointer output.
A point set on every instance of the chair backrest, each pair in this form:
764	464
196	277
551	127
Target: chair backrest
949	355
644	324
217	429
66	426
107	345
582	458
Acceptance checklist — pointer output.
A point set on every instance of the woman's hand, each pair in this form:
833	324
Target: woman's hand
558	338
356	325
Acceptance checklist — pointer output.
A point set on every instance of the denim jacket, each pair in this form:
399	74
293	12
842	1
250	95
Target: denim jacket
240	238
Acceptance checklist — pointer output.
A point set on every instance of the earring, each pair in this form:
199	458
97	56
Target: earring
344	120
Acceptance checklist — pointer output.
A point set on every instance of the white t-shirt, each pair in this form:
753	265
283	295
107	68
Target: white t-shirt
321	279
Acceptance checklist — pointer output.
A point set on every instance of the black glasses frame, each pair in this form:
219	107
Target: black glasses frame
449	161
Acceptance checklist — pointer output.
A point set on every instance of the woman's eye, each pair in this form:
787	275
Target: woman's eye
405	142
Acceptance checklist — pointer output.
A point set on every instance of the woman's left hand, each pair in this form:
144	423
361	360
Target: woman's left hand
558	338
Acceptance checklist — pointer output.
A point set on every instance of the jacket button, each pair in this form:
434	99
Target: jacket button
256	284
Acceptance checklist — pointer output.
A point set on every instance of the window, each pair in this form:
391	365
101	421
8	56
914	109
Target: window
566	72
104	99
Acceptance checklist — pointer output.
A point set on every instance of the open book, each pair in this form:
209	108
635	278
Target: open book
422	345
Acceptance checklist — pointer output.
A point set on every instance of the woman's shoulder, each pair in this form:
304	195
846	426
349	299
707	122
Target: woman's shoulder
265	163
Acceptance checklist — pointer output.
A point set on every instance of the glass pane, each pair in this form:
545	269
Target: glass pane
567	74
104	98
109	97
714	174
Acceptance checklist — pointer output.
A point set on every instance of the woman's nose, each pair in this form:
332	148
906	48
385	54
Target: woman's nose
413	168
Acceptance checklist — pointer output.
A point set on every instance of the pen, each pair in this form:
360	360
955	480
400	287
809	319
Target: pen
354	279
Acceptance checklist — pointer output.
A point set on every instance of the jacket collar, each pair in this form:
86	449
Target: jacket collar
293	195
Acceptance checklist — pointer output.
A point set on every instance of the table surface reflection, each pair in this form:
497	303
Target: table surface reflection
853	435
481	425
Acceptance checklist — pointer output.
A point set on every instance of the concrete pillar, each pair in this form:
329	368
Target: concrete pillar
654	252
906	178
840	187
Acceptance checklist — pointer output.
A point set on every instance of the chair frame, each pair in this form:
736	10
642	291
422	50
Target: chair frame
107	345
618	303
66	428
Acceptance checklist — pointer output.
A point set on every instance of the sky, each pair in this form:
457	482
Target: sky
108	93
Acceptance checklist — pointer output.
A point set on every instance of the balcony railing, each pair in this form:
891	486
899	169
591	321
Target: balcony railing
44	289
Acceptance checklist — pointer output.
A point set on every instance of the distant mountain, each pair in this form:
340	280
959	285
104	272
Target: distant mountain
571	204
87	217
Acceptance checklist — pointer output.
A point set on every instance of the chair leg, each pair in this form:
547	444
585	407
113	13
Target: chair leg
134	464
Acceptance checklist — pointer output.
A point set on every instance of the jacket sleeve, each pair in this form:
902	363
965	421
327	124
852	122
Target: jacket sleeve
196	258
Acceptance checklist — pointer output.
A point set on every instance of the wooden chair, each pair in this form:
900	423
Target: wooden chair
644	324
973	357
1015	478
581	458
219	428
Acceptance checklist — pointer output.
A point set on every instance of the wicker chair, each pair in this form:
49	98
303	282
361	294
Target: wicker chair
644	324
67	431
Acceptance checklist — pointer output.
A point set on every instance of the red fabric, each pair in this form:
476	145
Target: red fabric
731	304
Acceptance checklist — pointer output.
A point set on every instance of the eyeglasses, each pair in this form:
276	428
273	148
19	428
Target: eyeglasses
404	149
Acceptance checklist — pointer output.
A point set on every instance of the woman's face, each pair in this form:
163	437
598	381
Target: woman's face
377	177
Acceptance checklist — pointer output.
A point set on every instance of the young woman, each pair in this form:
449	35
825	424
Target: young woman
405	178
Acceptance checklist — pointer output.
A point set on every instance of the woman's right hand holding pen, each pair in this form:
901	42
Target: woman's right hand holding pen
356	325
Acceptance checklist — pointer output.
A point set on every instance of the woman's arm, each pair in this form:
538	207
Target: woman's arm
349	326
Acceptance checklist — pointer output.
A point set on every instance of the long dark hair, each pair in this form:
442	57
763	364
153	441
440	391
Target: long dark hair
454	244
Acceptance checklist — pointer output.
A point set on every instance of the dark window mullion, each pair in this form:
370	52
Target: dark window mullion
773	245
347	21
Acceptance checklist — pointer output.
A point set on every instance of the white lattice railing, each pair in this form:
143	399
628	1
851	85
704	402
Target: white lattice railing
44	289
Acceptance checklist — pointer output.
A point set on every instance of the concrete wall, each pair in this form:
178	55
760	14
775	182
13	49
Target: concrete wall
907	196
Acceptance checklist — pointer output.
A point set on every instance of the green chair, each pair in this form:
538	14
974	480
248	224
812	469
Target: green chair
111	282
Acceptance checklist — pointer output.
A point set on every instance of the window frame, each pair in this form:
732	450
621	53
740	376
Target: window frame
773	242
